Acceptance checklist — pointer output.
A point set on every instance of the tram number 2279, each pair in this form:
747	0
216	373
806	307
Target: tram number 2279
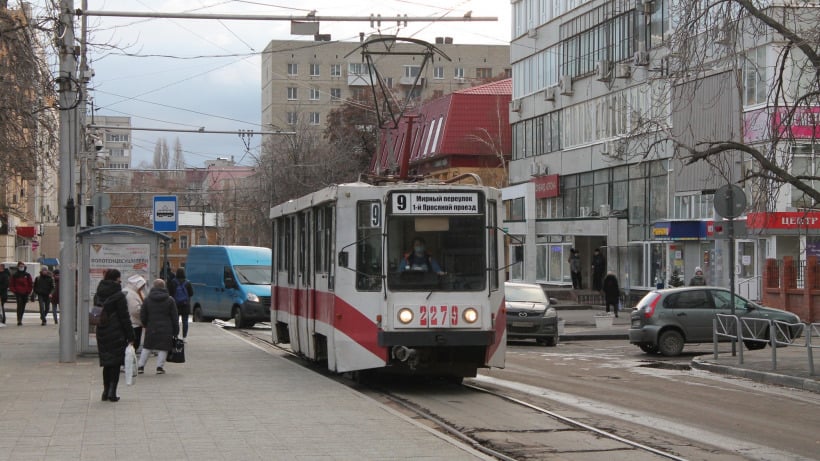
438	316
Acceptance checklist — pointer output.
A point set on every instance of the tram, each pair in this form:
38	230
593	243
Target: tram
343	290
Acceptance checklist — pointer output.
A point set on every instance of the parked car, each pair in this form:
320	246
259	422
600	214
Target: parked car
665	320
529	313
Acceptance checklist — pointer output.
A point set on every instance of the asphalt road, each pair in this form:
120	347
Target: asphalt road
614	384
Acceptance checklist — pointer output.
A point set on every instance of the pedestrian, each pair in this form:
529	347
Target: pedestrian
575	268
598	269
181	290
612	292
114	332
160	318
698	280
21	285
43	288
55	296
5	278
135	296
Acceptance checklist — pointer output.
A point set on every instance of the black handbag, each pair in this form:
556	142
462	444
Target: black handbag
177	352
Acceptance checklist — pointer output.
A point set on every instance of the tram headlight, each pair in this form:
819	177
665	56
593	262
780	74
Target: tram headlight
405	315
470	315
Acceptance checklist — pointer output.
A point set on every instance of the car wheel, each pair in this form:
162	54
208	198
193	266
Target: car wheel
551	341
754	345
670	343
197	315
649	348
238	321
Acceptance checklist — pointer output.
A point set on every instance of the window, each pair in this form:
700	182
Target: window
314	70
438	72
293	93
805	162
335	70
483	73
116	137
591	37
369	246
388	82
183	242
335	94
492	223
754	77
293	69
314	94
293	117
314	118
514	209
357	68
358	93
411	71
458	72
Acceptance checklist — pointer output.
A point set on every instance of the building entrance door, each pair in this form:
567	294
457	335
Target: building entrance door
747	276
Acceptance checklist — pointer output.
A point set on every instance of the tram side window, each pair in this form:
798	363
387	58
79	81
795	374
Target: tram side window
289	235
323	242
368	246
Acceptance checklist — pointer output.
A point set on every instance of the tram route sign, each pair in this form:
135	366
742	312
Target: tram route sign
435	203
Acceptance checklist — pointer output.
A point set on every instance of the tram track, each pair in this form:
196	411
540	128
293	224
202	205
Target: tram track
506	444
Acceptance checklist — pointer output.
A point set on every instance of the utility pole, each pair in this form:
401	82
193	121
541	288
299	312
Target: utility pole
69	130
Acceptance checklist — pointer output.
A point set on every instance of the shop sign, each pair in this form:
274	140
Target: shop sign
546	186
786	220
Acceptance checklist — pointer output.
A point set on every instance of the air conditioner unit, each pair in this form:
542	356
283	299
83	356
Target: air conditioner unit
602	70
647	6
459	79
584	211
549	93
605	209
532	32
515	105
565	85
535	169
623	70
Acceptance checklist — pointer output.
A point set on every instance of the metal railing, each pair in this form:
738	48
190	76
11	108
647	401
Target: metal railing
744	287
746	330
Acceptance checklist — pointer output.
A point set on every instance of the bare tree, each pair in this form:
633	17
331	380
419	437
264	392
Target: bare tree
179	157
741	53
161	155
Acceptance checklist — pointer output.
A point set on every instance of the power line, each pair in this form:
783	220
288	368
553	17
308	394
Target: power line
264	17
179	130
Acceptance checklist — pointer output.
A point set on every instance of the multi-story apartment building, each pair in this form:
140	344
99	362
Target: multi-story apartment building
303	80
116	142
604	98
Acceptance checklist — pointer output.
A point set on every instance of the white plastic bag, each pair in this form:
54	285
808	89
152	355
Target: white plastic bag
130	364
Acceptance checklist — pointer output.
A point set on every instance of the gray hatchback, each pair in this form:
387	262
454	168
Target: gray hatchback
529	314
665	320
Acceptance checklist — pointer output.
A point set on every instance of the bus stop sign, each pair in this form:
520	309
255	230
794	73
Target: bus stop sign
165	213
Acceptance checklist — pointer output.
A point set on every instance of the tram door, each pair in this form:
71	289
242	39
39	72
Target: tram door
304	285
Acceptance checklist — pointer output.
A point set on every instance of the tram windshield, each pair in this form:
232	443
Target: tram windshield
436	251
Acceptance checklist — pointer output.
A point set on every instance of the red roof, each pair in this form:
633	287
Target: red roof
471	123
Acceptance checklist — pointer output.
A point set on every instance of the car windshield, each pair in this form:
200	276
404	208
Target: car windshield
253	275
525	294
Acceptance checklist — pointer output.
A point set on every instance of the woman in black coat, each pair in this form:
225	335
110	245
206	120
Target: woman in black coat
114	333
612	292
160	318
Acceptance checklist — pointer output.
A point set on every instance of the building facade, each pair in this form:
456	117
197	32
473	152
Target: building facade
602	103
303	80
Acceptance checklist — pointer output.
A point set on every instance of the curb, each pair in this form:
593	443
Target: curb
765	377
593	336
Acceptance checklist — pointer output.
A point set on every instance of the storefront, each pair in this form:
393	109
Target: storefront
688	244
787	233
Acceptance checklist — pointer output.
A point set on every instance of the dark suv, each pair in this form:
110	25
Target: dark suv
664	320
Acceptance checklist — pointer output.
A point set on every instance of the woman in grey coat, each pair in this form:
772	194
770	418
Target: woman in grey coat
159	318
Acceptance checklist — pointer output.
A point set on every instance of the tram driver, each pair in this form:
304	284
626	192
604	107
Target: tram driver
419	260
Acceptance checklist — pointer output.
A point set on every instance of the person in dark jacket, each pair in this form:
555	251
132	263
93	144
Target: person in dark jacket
43	288
612	292
183	303
114	333
5	278
598	268
21	286
160	319
698	279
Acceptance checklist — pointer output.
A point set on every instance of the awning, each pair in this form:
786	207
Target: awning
26	231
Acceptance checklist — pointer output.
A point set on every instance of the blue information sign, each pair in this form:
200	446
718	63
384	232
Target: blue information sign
165	213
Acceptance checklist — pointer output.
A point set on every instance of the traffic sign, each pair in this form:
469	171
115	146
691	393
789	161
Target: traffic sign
730	201
166	217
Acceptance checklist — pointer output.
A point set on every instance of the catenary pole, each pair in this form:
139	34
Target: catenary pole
68	82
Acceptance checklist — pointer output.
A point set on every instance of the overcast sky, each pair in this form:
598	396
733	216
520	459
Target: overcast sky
158	76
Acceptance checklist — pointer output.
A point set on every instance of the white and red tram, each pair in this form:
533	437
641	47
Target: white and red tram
343	293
